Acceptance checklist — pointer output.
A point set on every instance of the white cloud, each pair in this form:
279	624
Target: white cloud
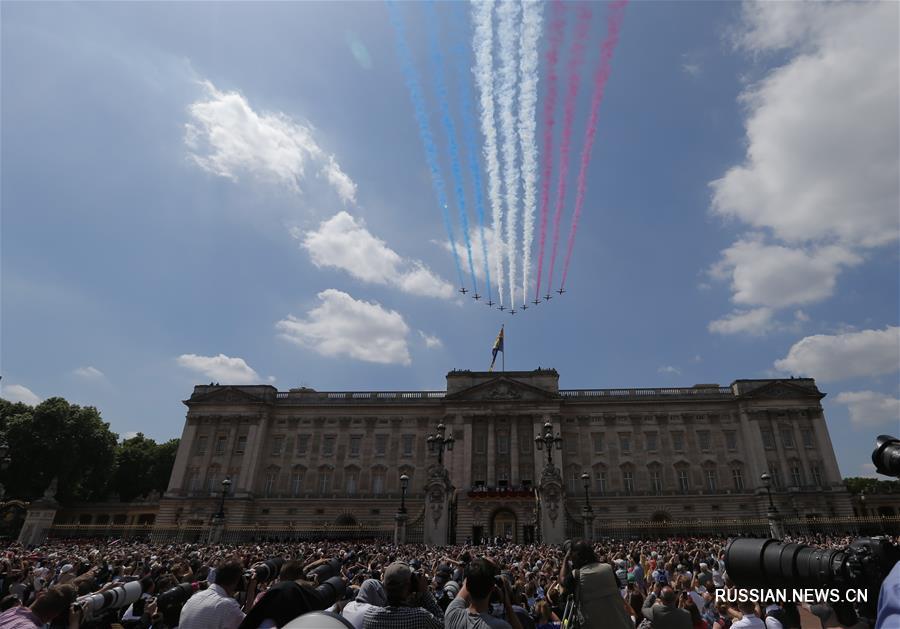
777	276
822	135
220	368
669	370
477	252
755	322
89	373
692	69
343	326
131	434
841	356
20	393
343	242
227	137
431	342
869	409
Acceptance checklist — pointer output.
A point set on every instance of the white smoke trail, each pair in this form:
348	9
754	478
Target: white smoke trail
509	13
528	68
483	45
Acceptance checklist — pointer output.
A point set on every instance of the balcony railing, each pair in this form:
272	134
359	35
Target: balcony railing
666	392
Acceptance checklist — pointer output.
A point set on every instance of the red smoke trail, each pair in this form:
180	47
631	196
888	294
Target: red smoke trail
613	24
582	26
556	34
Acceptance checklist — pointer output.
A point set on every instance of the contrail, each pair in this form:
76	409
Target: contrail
556	34
483	43
576	58
604	67
418	102
532	20
468	123
509	13
437	69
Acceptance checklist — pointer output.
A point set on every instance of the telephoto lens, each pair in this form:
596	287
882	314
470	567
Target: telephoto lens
172	600
324	572
886	456
266	570
332	590
769	563
115	598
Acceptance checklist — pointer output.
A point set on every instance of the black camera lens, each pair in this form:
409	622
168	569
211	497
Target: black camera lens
886	456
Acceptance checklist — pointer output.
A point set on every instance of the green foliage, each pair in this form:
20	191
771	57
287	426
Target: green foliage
72	443
857	485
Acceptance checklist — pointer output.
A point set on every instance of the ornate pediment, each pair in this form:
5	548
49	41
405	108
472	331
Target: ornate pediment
784	389
224	395
502	389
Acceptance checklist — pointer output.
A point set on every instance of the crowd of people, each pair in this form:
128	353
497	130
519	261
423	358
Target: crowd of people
652	584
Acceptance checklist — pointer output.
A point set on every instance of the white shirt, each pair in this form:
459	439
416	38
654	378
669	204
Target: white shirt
772	622
355	612
749	621
211	609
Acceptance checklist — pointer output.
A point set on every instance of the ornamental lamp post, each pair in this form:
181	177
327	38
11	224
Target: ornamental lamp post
438	442
774	518
587	512
404	483
401	517
226	485
547	439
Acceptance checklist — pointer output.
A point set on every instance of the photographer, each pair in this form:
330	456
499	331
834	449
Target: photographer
470	609
54	602
598	600
409	603
371	595
216	607
664	613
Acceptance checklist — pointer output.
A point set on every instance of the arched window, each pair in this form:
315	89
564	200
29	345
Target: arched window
628	479
298	475
212	477
816	472
656	482
574	477
683	476
711	478
796	473
271	482
600	480
351	479
378	474
737	477
325	479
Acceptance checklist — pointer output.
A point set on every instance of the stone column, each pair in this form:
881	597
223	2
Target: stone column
552	506
438	491
492	453
588	516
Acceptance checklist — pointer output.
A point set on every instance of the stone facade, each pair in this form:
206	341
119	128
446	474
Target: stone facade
310	458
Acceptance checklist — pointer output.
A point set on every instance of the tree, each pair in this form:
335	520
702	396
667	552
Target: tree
56	439
858	485
142	466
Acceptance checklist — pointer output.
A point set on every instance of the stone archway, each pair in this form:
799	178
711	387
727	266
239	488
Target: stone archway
346	519
660	517
504	524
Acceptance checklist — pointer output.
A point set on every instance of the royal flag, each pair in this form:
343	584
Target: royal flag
498	347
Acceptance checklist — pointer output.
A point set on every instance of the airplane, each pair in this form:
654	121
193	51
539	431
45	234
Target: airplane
536	302
476	296
560	291
489	303
548	297
524	307
502	308
513	311
463	290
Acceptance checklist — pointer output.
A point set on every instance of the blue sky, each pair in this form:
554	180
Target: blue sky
237	192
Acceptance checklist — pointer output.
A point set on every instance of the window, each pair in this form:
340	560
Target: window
597	439
816	473
787	437
737	476
352	481
628	481
502	443
302	444
656	481
731	441
235	477
378	482
808	441
651	441
201	444
768	439
324	480
220	444
678	441
241	446
277	445
775	473
703	438
380	445
574	481
297	481
271	479
711	479
601	482
328	445
408	445
796	475
355	441
211	478
625	443
684	483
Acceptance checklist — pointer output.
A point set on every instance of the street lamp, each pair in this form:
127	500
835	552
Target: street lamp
547	439
767	482
775	529
438	442
587	512
404	483
226	484
586	481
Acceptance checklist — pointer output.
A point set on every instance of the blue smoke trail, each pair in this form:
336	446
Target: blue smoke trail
437	69
415	95
468	121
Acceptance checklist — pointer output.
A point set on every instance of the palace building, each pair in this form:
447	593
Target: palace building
302	458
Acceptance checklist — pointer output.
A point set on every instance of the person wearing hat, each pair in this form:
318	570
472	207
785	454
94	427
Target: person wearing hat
409	603
596	589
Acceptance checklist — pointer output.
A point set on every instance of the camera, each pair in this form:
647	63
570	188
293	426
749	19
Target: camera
265	570
768	563
94	605
170	602
326	571
886	456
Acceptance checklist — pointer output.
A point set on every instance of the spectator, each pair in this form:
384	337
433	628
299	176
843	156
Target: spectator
665	614
371	594
470	609
749	619
54	602
215	607
596	589
409	603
